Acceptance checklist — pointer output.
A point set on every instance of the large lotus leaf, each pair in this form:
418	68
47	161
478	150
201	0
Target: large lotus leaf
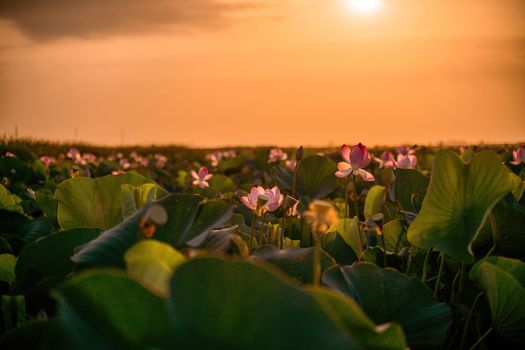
295	262
354	321
509	225
315	177
394	236
134	197
458	201
51	256
104	309
96	203
334	244
351	233
189	219
151	263
386	295
503	280
408	184
240	305
9	201
7	268
374	201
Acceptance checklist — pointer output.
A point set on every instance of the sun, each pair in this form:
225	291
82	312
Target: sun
365	6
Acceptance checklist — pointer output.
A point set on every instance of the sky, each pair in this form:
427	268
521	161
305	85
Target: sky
207	73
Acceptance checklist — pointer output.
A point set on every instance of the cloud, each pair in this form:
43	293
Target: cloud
52	19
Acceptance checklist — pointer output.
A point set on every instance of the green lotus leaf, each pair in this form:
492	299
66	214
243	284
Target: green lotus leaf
134	197
7	268
151	263
190	219
349	316
239	305
394	236
386	295
351	233
509	229
315	177
374	201
503	280
95	203
409	184
37	335
51	256
458	201
295	262
9	201
104	309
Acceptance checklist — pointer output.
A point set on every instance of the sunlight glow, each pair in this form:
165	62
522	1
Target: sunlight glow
365	6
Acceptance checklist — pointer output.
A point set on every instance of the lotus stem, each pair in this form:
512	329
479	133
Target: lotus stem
425	266
356	205
346	190
254	218
281	236
462	278
440	272
385	263
316	261
263	217
467	322
480	340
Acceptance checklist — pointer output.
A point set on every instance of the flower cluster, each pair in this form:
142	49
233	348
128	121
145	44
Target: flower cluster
261	200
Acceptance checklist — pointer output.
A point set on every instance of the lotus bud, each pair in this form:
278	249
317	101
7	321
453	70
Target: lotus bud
359	156
299	153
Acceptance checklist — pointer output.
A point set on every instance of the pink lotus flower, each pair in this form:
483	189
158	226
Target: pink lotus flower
89	158
229	154
386	160
201	178
124	163
518	156
406	161
355	160
9	154
214	158
405	151
276	155
74	155
161	160
251	200
118	172
47	160
291	164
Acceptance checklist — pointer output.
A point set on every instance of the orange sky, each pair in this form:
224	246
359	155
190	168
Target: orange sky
242	72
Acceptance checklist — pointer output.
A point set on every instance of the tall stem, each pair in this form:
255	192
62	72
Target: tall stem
461	278
356	205
441	266
467	321
263	217
316	260
480	340
254	218
425	266
346	190
281	236
384	249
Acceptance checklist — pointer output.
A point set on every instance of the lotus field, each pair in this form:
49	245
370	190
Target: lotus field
262	248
